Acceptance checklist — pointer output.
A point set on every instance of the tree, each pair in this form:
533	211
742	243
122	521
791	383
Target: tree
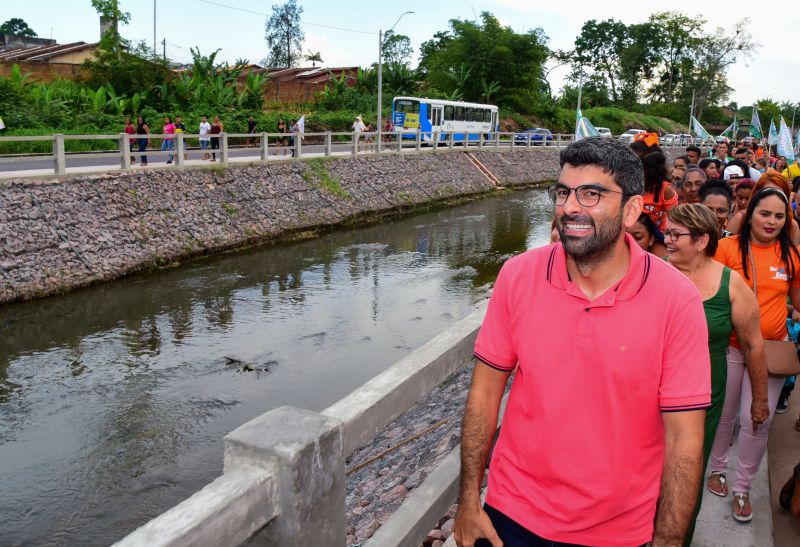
313	56
599	46
715	54
283	35
396	48
17	27
637	59
678	36
472	52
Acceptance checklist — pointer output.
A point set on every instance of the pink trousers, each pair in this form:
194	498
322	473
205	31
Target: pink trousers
751	445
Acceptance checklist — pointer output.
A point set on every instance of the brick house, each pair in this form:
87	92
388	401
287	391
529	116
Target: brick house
298	85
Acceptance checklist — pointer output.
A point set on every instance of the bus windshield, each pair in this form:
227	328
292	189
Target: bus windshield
406	105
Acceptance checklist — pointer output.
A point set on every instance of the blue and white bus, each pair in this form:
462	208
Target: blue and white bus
431	115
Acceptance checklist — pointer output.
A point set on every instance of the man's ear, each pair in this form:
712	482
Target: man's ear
632	210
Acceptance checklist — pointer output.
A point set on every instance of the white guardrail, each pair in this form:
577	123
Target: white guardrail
272	146
284	478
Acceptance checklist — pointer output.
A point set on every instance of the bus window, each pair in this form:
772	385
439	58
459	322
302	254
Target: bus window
448	112
405	105
459	113
486	115
470	114
429	109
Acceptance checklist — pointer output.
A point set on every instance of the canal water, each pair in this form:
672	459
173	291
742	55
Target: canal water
114	400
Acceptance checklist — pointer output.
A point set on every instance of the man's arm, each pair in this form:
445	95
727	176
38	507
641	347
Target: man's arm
680	479
477	433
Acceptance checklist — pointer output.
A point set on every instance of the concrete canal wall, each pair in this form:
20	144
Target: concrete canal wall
61	234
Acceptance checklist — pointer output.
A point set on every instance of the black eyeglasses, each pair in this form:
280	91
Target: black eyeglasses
588	195
675	235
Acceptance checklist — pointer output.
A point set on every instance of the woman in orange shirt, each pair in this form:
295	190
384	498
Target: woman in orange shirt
770	179
764	255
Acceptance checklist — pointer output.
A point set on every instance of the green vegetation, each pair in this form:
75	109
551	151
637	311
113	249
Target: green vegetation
640	75
316	172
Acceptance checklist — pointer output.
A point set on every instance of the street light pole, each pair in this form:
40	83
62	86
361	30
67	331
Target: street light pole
379	122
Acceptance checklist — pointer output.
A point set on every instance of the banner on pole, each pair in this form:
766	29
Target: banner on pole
755	125
784	143
699	130
584	128
772	138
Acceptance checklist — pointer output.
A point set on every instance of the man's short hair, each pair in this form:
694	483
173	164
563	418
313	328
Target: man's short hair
695	149
612	156
742	150
684	158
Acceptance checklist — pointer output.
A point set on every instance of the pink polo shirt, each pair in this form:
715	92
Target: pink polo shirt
581	450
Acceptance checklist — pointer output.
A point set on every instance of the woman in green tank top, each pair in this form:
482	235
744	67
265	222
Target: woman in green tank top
692	235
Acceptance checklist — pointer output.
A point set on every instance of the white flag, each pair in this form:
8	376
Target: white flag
772	137
785	142
301	126
584	128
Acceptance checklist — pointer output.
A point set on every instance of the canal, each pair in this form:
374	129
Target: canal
114	399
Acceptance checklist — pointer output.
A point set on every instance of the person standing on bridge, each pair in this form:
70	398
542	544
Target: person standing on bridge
602	437
142	129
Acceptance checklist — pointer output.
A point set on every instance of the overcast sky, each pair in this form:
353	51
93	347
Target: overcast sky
773	72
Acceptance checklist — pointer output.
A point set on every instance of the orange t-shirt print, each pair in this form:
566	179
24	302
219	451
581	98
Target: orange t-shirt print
773	283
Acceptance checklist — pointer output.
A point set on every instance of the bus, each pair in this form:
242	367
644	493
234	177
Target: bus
432	115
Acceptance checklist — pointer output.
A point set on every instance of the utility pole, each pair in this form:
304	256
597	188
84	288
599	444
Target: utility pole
154	28
380	88
379	118
691	112
164	45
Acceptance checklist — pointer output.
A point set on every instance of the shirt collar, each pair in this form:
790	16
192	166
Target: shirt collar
628	287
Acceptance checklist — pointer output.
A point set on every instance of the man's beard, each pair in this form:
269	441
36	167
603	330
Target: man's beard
591	250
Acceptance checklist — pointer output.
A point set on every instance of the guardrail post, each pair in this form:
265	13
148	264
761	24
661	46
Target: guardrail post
480	140
558	141
124	151
450	139
466	139
418	146
180	149
59	155
264	147
435	140
298	144
306	449
223	147
328	143
497	139
378	142
355	143
544	138
400	142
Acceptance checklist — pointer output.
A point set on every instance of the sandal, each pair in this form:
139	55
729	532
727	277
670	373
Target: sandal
718	484
742	511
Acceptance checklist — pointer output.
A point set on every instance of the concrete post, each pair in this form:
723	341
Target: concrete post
264	147
450	139
480	140
418	146
497	139
223	147
529	141
355	143
513	141
379	142
400	143
124	151
59	155
466	140
306	451
435	140
298	145
558	141
328	143
180	148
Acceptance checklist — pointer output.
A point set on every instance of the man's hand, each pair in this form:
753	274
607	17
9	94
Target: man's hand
472	524
759	411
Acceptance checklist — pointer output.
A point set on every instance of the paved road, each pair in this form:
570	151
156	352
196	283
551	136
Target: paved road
78	161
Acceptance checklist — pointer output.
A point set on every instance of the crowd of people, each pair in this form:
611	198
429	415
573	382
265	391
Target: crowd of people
665	307
208	136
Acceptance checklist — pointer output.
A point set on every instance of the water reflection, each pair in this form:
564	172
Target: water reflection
114	400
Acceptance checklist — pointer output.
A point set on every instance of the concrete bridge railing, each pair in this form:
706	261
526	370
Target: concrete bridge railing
283	480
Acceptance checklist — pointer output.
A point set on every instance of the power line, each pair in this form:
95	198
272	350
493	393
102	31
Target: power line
304	22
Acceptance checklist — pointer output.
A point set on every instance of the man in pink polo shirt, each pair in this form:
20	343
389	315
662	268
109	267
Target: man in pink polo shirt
602	436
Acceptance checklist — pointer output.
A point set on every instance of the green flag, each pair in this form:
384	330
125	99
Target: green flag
755	125
772	138
699	130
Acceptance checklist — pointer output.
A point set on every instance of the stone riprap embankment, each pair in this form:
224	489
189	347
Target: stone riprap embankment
61	234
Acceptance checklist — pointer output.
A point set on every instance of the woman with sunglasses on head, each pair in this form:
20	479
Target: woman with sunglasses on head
692	238
764	255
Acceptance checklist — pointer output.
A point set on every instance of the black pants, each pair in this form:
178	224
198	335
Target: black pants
214	146
514	535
